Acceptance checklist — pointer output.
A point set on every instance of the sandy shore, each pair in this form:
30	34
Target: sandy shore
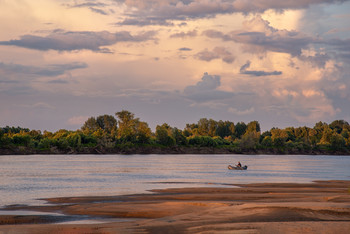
319	207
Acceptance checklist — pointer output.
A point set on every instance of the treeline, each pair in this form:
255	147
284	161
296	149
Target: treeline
124	133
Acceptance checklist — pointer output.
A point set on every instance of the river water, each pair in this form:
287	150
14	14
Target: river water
24	179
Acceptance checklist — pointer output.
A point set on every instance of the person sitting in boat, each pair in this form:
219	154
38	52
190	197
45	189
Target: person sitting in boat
239	164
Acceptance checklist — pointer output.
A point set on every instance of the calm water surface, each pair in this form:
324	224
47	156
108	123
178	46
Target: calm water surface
24	179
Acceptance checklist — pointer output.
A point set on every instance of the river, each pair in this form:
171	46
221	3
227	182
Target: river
25	179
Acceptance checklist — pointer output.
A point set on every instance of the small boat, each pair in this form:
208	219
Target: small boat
237	168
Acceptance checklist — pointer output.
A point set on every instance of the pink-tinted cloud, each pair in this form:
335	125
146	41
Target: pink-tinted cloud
78	40
216	53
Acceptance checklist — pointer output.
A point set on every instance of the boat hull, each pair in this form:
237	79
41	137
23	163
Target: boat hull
237	168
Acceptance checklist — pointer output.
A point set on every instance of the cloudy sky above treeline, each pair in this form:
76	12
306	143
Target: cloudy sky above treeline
282	63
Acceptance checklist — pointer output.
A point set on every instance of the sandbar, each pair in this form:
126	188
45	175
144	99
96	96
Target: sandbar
318	207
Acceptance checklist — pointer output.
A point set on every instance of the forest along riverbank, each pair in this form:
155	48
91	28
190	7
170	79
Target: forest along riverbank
257	208
150	149
127	135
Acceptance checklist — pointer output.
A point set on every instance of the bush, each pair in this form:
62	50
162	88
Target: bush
204	141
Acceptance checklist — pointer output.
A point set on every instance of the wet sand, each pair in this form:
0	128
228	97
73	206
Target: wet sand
319	207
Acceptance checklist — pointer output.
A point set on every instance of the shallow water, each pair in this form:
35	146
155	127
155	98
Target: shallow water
24	179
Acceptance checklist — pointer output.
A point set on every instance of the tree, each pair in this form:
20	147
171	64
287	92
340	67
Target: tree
90	125
21	139
143	132
337	141
126	123
179	137
106	122
253	126
326	136
320	127
163	137
131	129
267	141
251	137
203	126
240	129
339	125
250	140
203	141
62	133
279	137
225	129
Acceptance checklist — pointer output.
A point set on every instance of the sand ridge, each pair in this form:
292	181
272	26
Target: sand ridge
319	207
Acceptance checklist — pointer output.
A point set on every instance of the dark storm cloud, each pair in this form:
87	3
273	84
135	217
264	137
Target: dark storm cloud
47	71
244	70
78	40
216	53
206	89
162	10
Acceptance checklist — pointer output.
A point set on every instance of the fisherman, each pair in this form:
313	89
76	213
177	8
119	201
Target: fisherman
239	164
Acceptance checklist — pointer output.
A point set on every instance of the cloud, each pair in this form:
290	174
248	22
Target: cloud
58	81
52	70
99	11
192	33
243	70
206	89
259	37
93	6
185	49
42	105
145	22
164	10
78	40
77	120
89	4
217	53
241	112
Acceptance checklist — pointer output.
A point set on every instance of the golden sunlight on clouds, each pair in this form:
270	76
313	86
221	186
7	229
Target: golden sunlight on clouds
223	59
288	20
312	93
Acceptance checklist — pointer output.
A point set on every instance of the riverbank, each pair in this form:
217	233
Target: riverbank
320	207
150	149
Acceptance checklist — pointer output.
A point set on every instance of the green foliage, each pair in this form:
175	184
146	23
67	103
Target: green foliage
339	125
44	143
225	129
164	135
14	130
267	142
240	129
105	133
21	139
203	141
131	129
250	140
179	137
279	137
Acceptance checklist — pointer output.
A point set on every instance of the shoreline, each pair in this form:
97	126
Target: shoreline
148	149
252	208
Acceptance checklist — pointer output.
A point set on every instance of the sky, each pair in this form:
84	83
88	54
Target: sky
282	63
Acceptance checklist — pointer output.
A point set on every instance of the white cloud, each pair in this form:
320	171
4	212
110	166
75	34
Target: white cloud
77	120
241	112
